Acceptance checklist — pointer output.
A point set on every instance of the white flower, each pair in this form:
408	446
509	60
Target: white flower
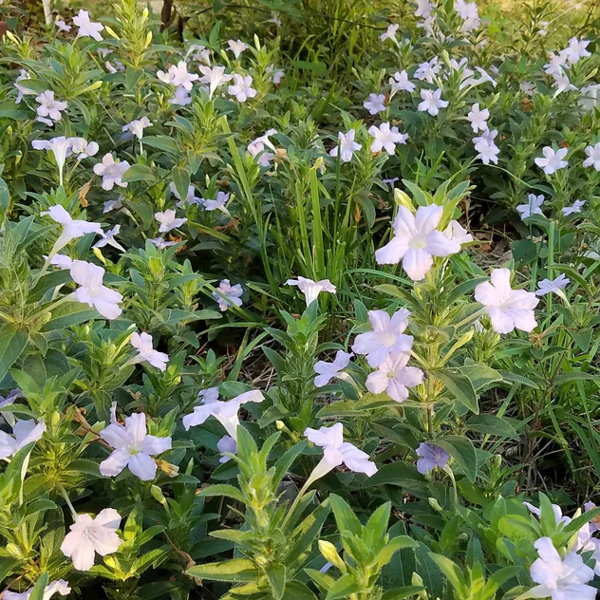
275	19
375	104
327	371
237	47
84	150
556	64
558	516
485	146
258	147
416	241
508	309
575	208
228	295
21	89
168	221
311	289
560	579
401	82
208	395
528	88
111	172
455	231
562	83
55	587
226	445
552	161
386	138
61	148
432	102
242	88
62	25
10	398
181	97
593	156
179	76
217	204
24	432
394	377
347	146
468	13
72	228
485	77
225	412
61	261
137	127
146	353
337	452
386	338
576	50
214	77
161	243
92	291
87	28
276	75
189	199
533	206
108	239
49	107
547	286
89	536
428	70
111	205
424	8
390	33
199	53
133	447
478	118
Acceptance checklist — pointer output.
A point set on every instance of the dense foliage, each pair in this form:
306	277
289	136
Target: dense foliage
300	305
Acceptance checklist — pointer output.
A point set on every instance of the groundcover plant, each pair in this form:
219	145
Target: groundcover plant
299	301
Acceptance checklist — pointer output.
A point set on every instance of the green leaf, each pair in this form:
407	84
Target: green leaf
452	572
162	142
518	379
222	489
402	593
575	376
181	179
462	451
342	588
276	575
70	314
37	593
140	173
460	386
460	291
346	520
12	343
492	425
237	569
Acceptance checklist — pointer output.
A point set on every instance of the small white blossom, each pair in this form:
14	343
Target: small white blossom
87	28
386	138
478	118
593	156
21	89
146	353
88	537
257	148
424	8
111	205
394	377
168	221
528	88
217	204
400	82
109	239
242	88
327	371
92	291
237	47
24	432
228	295
111	172
226	445
190	199
179	76
432	102
346	147
49	109
137	127
72	228
61	261
181	97
552	160
375	104
62	26
533	206
214	78
576	50
469	13
390	33
575	208
562	83
427	71
508	309
485	146
161	243
55	587
311	289
455	231
545	286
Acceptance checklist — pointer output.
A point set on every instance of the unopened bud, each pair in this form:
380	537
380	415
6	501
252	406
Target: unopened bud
167	467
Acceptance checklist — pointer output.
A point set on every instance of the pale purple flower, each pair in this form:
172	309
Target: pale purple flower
576	50
486	148
552	160
49	109
327	371
432	102
431	456
137	127
228	295
478	118
386	138
181	97
394	377
21	89
242	88
311	289
455	231
92	291
87	28
416	241
179	76
168	221
111	205
400	82
59	586
533	206
508	309
258	148
276	74
375	104
237	47
424	8
146	353
575	208
214	78
72	228
562	83
61	261
111	172
427	71
161	243
62	26
346	147
189	199
390	33
593	156
24	432
546	286
217	204
88	537
109	239
469	13
387	336
226	445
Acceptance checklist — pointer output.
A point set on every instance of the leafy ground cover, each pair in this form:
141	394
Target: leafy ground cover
300	301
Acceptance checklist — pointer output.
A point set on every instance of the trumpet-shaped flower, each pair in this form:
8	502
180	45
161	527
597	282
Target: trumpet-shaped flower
386	138
109	239
562	83
469	13
337	452
90	536
161	243
508	309
111	205
560	578
576	50
400	82
225	412
133	447
552	160
189	199
92	291
242	88
237	47
432	102
217	204
208	395
416	241
486	148
546	286
430	457
22	90
478	118
72	228
455	231
181	97
228	295
168	221
49	109
226	445
62	147
55	587
87	28
593	156
387	336
346	147
136	128
575	208
428	71
179	76
61	261
24	432
311	289
146	353
394	378
111	172
533	206
390	33
327	371
62	26
375	104
257	148
214	77
424	8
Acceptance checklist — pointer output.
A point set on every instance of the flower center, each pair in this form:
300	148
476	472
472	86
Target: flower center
417	243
